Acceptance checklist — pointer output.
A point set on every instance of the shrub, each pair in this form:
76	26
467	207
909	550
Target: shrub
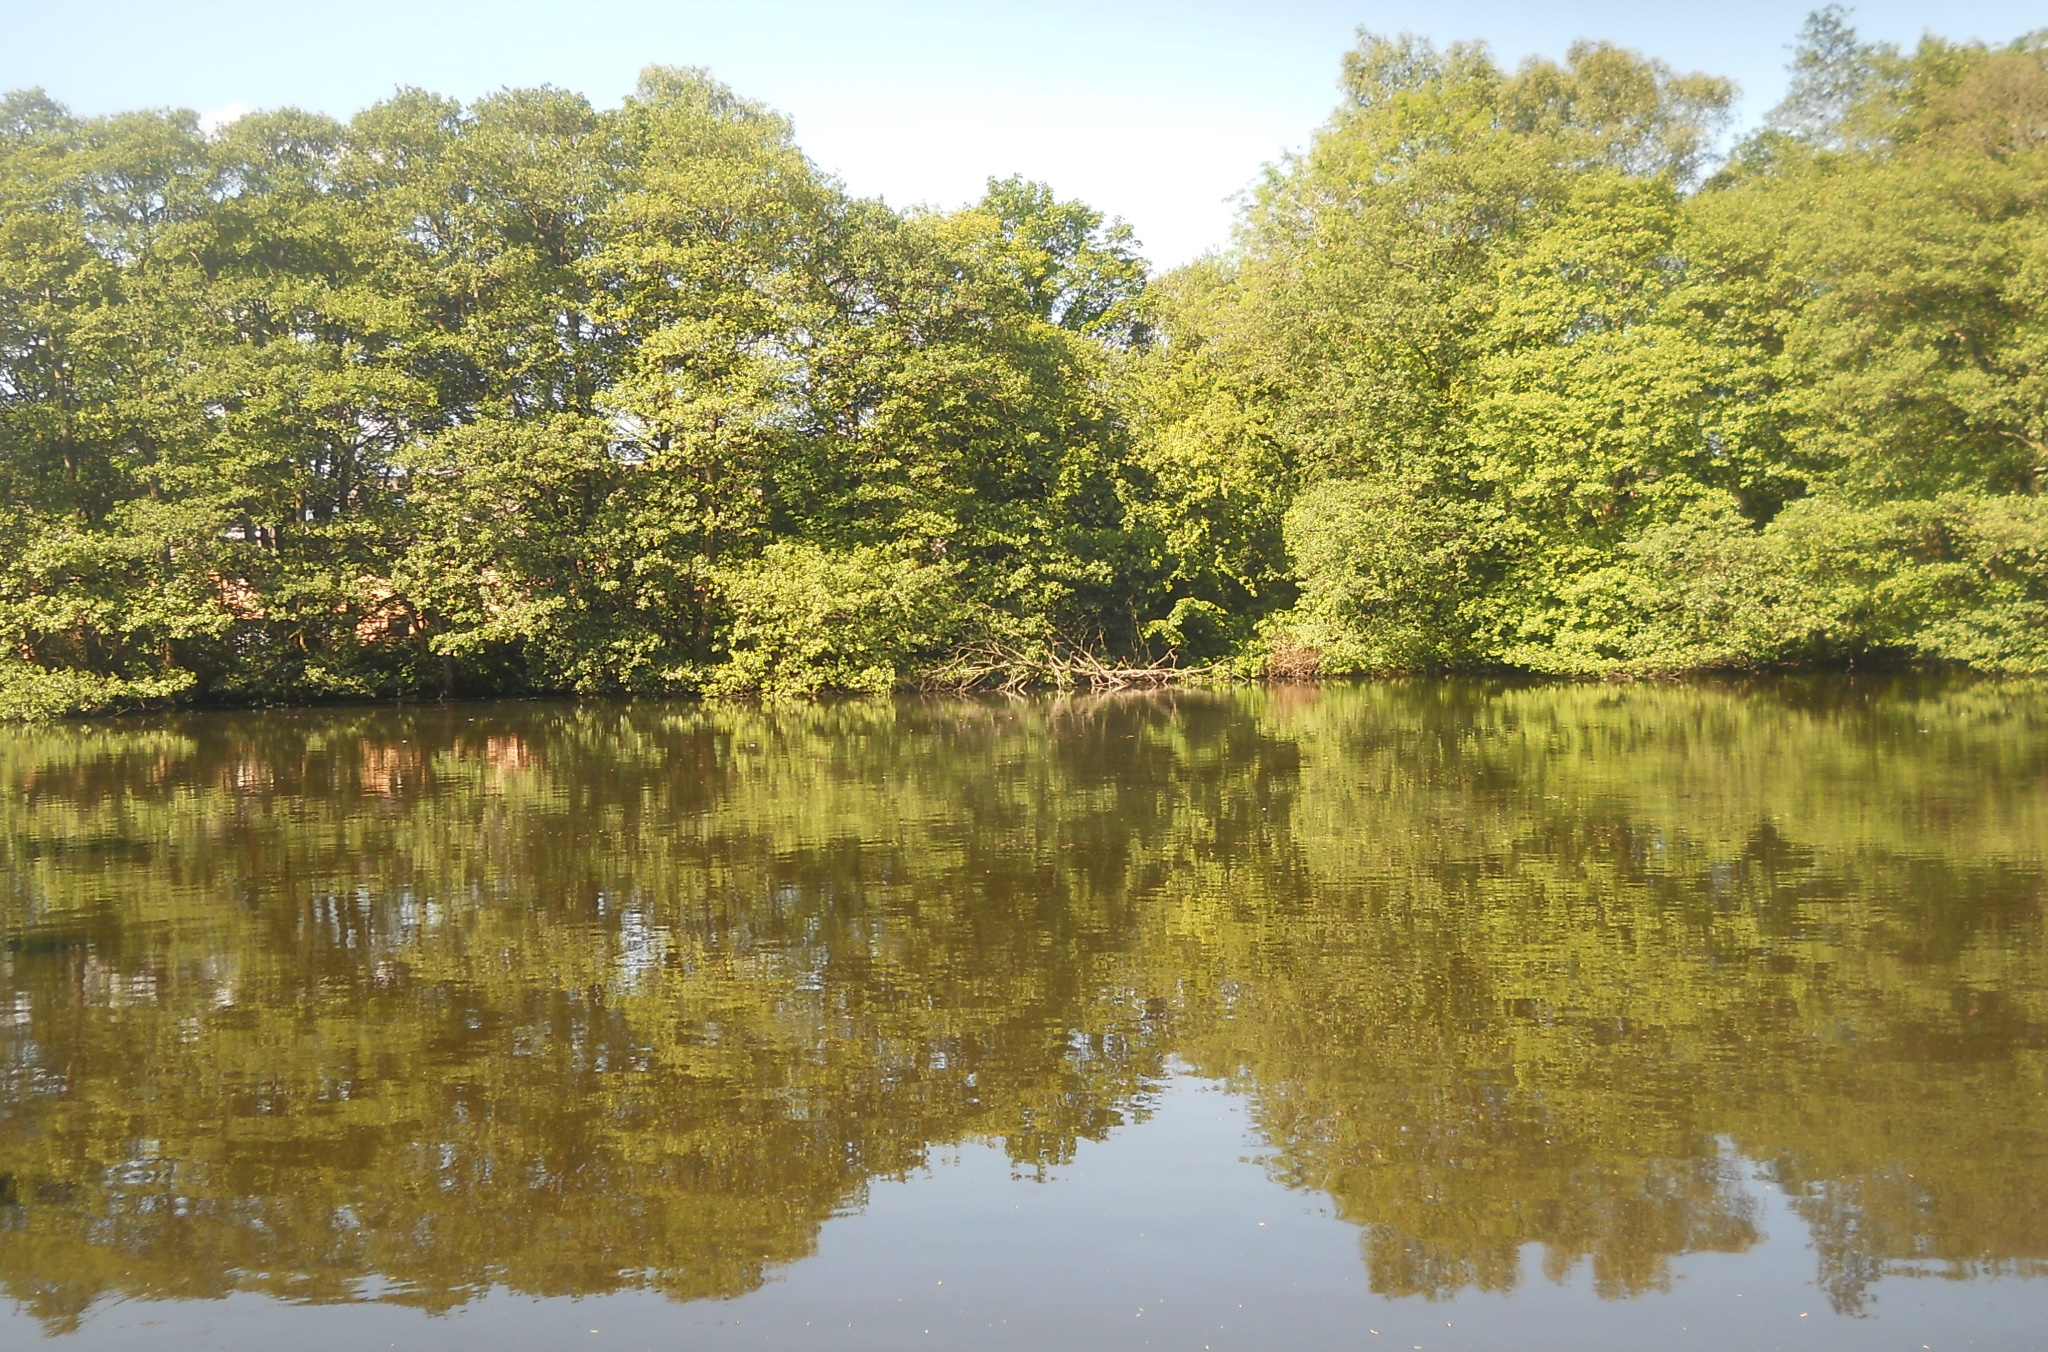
801	620
29	693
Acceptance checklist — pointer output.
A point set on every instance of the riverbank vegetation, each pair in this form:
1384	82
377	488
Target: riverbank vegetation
1510	368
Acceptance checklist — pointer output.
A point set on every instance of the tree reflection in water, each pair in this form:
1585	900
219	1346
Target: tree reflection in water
400	1005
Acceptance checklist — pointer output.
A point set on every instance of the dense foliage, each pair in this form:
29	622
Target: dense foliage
1493	378
526	396
1506	369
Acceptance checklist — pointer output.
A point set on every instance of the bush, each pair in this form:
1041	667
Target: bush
802	620
1961	578
29	693
1390	574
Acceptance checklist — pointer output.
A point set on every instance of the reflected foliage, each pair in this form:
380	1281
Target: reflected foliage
403	1004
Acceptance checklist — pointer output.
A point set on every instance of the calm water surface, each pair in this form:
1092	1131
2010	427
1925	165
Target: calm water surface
1440	1015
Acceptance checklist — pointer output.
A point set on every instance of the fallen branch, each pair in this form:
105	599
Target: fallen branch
1061	665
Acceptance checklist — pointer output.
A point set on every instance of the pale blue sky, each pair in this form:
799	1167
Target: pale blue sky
1156	112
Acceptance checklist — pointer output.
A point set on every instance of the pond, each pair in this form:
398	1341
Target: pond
1440	1014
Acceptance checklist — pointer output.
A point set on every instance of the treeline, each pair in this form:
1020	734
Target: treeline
1507	369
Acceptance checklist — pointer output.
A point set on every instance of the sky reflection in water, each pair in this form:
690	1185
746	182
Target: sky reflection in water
1521	1016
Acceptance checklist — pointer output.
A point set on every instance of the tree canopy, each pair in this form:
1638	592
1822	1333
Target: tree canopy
1509	368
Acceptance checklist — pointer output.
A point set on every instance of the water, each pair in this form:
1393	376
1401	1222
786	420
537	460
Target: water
1421	1014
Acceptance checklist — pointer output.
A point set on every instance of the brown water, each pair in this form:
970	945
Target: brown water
1410	1014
